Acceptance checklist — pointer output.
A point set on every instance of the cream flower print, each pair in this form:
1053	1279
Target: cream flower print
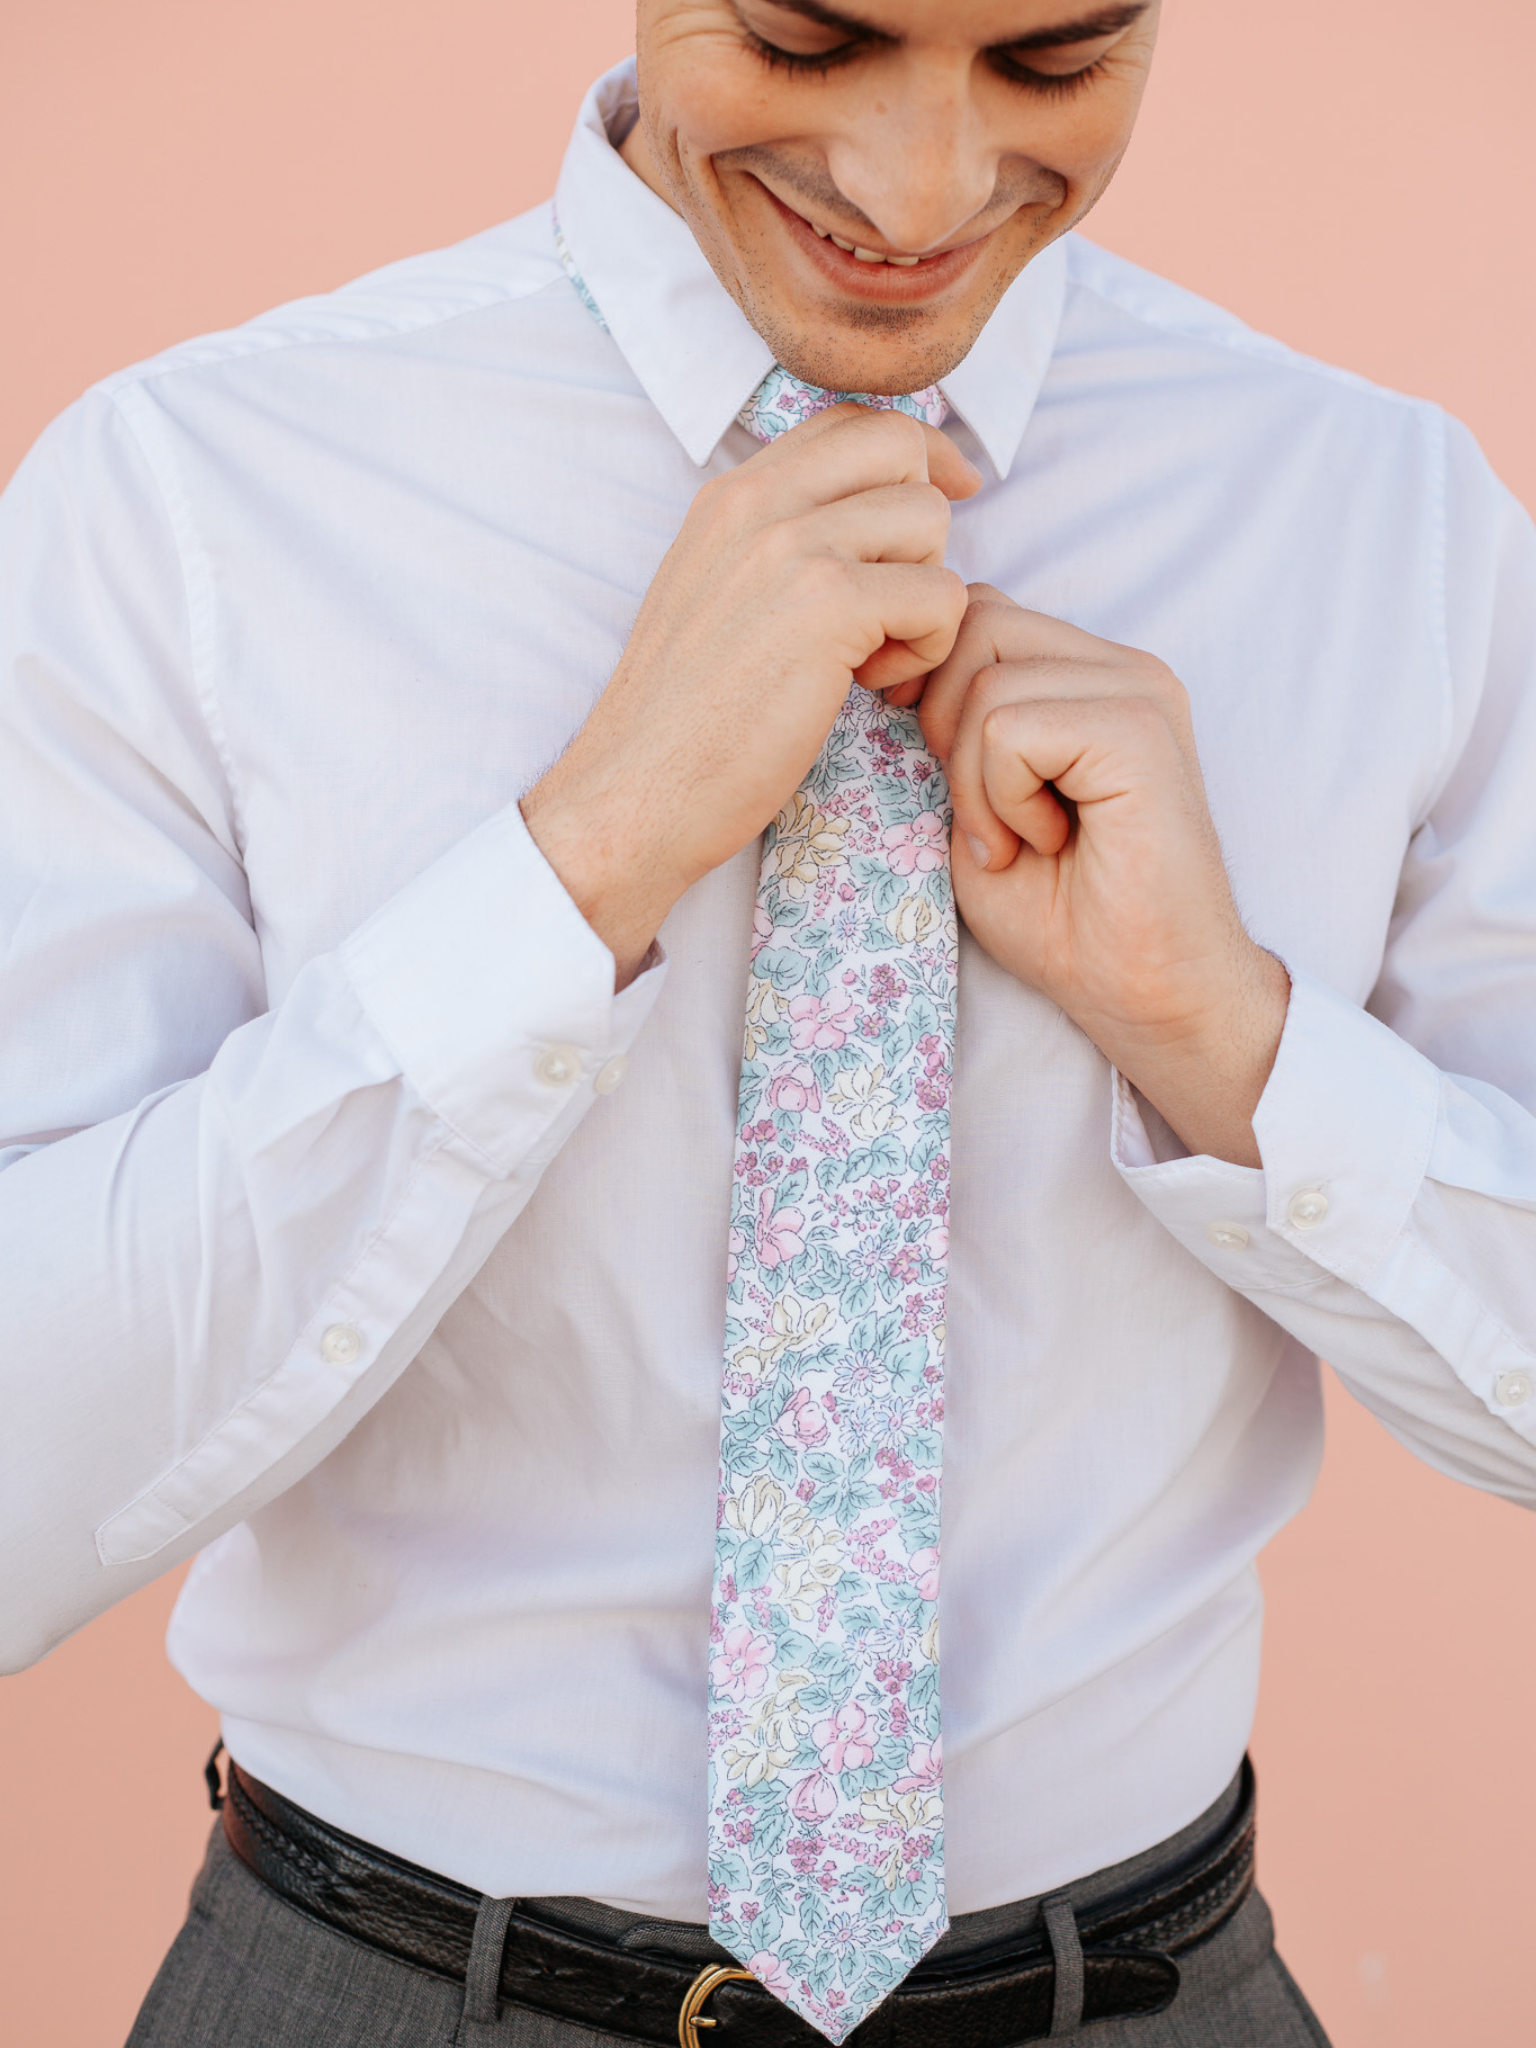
765	1006
871	1105
779	1721
806	840
791	1326
806	1580
913	918
754	1761
756	1509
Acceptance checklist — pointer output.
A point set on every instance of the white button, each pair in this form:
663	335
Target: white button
1512	1389
1230	1237
1307	1208
607	1078
341	1343
557	1066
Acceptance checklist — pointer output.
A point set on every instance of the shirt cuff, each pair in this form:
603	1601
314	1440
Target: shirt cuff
494	994
1344	1130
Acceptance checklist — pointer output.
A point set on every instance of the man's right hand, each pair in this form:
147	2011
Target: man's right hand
817	562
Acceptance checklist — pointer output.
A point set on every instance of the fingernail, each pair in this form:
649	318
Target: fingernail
981	853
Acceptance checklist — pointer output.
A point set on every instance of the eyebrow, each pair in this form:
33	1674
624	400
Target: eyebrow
1104	21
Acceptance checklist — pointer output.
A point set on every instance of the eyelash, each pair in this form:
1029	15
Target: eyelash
1048	85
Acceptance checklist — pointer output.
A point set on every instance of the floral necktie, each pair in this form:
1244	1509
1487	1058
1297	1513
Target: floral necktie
826	1832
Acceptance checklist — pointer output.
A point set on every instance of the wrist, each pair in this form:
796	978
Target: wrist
606	868
1205	1066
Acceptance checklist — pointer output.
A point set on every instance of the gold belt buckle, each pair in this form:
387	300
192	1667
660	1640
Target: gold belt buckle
709	1980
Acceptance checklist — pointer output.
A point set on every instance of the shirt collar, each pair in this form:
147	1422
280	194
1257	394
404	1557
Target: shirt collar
691	346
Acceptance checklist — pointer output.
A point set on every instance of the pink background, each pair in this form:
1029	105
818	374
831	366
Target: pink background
1353	175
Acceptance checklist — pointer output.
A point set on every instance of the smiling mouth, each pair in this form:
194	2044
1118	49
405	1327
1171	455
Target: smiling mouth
885	277
862	255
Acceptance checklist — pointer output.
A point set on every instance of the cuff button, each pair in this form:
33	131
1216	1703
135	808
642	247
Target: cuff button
1307	1208
1227	1237
1512	1389
341	1343
608	1077
557	1066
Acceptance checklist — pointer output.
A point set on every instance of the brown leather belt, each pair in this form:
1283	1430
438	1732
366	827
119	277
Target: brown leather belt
990	1998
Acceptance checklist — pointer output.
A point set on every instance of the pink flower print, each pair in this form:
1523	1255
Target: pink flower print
904	1265
770	1973
814	1798
777	1234
925	1569
737	1245
816	1026
762	927
918	848
938	1242
925	1766
740	1671
801	1423
841	1740
795	1088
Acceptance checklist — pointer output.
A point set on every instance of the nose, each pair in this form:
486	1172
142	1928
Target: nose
919	162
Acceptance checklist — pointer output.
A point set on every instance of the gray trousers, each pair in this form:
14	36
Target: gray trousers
250	1971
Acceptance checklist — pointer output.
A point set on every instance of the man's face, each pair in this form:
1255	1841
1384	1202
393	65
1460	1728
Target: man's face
949	140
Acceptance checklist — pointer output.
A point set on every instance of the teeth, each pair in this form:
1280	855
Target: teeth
863	255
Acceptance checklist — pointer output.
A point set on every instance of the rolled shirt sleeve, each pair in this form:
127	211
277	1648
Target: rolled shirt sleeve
225	1230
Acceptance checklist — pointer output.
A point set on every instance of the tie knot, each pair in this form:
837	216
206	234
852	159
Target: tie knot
783	400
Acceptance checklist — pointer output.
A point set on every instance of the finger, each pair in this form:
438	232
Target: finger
894	672
992	843
995	630
1017	794
1009	749
853	448
893	523
916	606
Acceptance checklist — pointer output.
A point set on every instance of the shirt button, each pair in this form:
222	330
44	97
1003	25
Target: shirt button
1307	1208
341	1343
557	1066
608	1077
1512	1389
1228	1237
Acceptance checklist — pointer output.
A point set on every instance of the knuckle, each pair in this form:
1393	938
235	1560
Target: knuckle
823	580
996	725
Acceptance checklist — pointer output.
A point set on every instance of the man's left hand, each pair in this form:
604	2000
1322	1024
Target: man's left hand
1086	862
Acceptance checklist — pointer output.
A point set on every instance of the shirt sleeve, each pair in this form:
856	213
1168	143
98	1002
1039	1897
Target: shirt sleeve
1392	1225
224	1229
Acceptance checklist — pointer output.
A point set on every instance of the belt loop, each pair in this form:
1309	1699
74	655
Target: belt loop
1067	1953
482	1979
211	1776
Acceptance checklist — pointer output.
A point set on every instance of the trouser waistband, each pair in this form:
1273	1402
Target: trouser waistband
1103	1948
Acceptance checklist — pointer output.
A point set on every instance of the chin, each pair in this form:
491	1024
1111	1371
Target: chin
858	367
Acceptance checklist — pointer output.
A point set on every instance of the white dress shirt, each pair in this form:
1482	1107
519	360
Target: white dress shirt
340	1247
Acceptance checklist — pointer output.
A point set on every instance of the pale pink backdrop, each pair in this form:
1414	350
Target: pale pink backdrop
1355	176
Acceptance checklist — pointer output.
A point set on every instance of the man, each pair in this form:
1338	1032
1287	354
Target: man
431	723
